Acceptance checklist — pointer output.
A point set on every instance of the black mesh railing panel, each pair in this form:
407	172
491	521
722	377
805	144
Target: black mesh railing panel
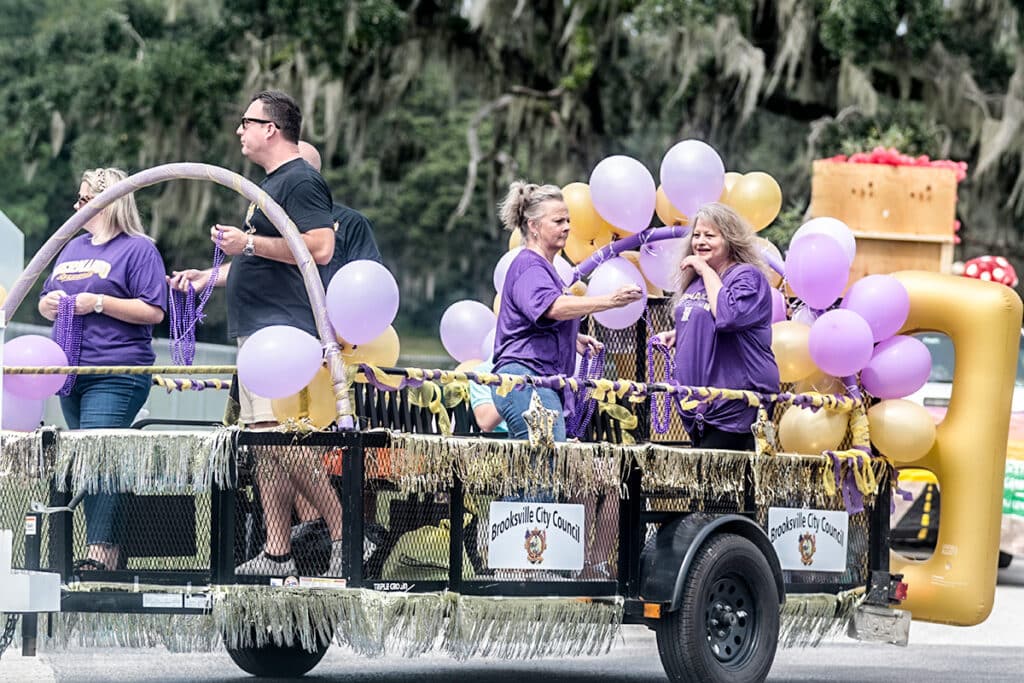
15	499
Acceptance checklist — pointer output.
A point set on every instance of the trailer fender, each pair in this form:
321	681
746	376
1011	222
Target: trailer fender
667	557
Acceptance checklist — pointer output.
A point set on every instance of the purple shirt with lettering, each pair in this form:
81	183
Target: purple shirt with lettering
524	334
732	350
126	267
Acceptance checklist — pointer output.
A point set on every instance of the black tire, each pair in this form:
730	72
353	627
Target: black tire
1004	559
727	626
276	661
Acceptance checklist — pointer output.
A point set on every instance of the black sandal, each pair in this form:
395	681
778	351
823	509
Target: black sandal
88	564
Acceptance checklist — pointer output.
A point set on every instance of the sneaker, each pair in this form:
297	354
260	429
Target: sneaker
335	567
261	565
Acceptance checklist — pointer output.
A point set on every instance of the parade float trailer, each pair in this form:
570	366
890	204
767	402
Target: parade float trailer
476	546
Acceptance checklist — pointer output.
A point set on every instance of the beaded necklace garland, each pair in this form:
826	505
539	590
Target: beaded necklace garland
185	313
590	368
67	332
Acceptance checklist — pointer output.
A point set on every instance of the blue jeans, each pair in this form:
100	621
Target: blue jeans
96	402
517	402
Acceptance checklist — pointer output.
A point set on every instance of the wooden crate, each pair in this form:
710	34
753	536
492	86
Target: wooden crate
880	199
883	253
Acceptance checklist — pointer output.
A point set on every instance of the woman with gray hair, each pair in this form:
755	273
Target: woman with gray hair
723	326
105	293
538	322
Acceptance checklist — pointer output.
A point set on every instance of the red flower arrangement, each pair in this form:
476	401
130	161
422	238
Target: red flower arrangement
893	157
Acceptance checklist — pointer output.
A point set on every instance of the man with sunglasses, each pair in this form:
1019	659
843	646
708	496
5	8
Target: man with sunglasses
265	288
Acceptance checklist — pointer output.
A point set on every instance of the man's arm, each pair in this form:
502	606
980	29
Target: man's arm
319	241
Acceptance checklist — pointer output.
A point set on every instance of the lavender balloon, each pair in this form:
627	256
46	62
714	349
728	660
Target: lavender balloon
778	306
899	366
883	301
623	192
21	414
607	278
565	270
464	326
840	343
660	262
692	174
278	361
33	350
501	269
834	228
817	269
805	315
487	348
362	300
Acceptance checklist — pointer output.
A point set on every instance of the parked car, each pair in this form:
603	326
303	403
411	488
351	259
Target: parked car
915	526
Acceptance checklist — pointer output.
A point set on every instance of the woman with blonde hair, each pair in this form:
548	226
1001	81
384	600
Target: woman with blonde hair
538	322
723	335
105	293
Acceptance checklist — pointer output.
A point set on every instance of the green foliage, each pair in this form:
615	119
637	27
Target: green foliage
871	30
908	128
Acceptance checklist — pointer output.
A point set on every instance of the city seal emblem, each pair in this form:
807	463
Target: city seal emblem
536	543
807	547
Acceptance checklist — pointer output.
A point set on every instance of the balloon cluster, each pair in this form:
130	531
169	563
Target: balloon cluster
890	156
821	342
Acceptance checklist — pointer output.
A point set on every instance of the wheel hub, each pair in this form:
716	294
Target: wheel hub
728	619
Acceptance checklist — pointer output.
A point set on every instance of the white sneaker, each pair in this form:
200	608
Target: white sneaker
335	567
261	565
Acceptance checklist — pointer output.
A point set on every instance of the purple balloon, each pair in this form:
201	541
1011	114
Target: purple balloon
501	269
817	269
33	350
565	270
21	414
607	278
487	348
840	342
883	301
834	228
660	262
278	361
362	300
464	326
623	192
899	366
778	306
692	174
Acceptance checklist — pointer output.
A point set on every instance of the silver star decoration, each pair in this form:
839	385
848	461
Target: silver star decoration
540	422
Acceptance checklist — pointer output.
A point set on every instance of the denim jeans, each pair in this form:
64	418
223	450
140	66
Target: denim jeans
517	402
97	402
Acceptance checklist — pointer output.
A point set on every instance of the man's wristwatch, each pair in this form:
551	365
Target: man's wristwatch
98	306
250	246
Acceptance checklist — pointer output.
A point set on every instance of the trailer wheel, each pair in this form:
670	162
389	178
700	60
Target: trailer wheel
727	626
276	661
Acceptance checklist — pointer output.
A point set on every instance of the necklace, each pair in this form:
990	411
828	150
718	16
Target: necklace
67	332
185	313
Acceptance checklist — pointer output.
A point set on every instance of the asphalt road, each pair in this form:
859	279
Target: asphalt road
992	651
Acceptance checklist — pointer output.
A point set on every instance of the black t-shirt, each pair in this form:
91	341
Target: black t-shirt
262	292
353	241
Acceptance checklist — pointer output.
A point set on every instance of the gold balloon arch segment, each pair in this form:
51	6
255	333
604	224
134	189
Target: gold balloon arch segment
274	213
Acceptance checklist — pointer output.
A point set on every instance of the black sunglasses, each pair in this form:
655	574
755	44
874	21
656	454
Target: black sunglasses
246	120
82	201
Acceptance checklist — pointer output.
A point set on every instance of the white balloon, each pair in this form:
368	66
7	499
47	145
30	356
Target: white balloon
501	269
565	270
607	278
660	262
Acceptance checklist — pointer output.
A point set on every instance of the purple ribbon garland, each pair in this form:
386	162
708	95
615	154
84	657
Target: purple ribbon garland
185	314
67	332
590	368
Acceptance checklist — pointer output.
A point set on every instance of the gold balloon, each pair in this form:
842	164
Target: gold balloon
578	288
757	197
792	354
496	306
3	295
634	257
901	429
821	383
774	279
382	351
315	403
802	430
468	365
730	179
666	211
585	223
577	250
515	239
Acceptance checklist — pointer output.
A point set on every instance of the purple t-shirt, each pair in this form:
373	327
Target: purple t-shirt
126	267
730	351
524	335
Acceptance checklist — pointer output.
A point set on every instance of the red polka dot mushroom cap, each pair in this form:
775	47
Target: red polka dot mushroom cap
991	268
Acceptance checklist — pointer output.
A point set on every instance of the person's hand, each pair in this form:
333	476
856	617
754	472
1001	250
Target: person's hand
85	303
626	294
50	303
584	343
698	264
667	339
232	239
180	279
